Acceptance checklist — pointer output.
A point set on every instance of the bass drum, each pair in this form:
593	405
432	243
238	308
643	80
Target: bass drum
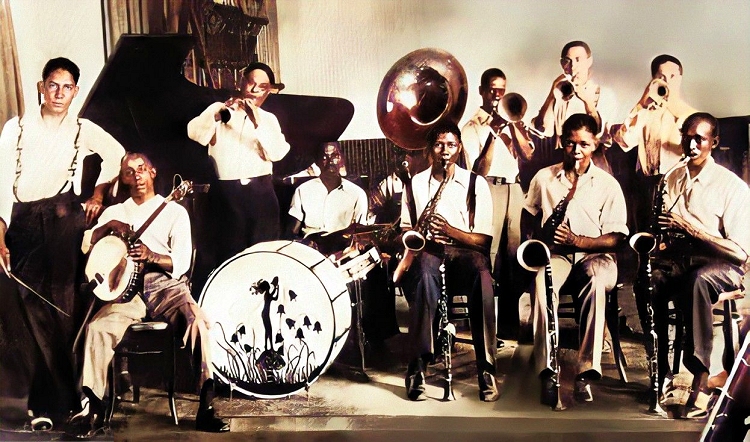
280	313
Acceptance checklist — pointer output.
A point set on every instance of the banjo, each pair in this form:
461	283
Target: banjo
116	275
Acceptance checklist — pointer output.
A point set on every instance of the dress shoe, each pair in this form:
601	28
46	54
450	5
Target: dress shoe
582	390
488	387
90	421
206	420
549	389
414	381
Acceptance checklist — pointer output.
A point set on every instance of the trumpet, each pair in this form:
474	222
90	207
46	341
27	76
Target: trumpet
658	91
565	89
512	108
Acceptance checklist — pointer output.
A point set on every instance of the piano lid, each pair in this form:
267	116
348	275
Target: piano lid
142	98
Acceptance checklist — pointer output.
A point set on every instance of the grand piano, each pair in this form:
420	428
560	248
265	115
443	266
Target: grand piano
143	99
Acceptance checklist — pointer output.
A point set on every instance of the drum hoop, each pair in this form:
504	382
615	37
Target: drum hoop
317	372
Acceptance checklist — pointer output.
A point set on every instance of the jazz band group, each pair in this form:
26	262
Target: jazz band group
472	221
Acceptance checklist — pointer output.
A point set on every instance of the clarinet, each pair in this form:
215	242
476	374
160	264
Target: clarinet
447	331
533	255
643	290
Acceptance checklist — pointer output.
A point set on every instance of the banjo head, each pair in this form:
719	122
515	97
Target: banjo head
110	266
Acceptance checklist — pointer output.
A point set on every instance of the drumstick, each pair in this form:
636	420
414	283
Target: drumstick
23	284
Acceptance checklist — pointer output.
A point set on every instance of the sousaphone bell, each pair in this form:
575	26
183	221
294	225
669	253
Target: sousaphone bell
423	88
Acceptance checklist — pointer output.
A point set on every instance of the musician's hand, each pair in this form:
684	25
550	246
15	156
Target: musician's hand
589	93
674	222
498	123
251	111
92	207
564	236
555	86
141	253
440	229
119	228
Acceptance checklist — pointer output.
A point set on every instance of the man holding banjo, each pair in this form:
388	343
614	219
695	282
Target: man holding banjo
164	250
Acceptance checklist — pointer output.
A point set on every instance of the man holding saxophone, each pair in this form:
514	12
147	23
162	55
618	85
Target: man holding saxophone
451	210
653	125
583	209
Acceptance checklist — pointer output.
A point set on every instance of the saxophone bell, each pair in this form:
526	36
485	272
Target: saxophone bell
413	240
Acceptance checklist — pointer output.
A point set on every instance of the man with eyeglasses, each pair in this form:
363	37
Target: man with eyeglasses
589	208
653	126
243	141
41	225
494	147
456	226
705	244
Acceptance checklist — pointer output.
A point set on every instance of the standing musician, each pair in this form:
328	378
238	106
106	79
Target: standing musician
590	227
653	125
41	223
455	227
573	92
494	147
165	249
243	141
709	206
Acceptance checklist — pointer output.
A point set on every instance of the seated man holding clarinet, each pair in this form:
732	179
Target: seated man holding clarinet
701	256
449	213
578	211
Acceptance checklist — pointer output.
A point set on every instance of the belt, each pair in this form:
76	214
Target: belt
500	180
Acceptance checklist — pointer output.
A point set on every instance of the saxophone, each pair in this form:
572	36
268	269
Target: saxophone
415	240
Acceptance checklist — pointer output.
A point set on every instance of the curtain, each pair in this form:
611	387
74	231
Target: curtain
11	93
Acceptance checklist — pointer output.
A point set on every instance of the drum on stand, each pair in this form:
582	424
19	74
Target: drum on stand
280	314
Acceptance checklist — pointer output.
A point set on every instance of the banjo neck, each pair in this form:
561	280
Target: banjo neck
177	194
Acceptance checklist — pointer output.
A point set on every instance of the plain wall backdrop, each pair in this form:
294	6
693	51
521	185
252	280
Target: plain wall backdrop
343	48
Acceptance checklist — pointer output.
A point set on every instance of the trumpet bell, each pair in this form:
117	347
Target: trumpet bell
533	255
566	89
421	89
513	107
658	90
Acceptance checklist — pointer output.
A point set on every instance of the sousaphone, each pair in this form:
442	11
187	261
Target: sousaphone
423	88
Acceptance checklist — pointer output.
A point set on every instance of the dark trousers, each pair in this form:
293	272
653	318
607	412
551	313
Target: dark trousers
244	215
423	289
44	238
694	284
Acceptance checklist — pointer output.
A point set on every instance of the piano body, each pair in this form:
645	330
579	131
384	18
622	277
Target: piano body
142	98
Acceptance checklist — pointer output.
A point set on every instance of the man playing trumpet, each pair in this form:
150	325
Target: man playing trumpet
243	141
653	125
590	227
455	225
494	146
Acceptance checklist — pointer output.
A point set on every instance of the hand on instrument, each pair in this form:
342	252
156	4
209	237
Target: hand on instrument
141	253
119	228
564	236
92	207
440	229
250	110
676	223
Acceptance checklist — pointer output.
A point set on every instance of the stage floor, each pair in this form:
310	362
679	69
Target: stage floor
341	406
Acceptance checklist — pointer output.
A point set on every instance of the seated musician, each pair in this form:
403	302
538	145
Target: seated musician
456	230
590	228
313	169
329	202
165	251
709	205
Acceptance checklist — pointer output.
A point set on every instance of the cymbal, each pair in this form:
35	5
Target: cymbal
357	228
